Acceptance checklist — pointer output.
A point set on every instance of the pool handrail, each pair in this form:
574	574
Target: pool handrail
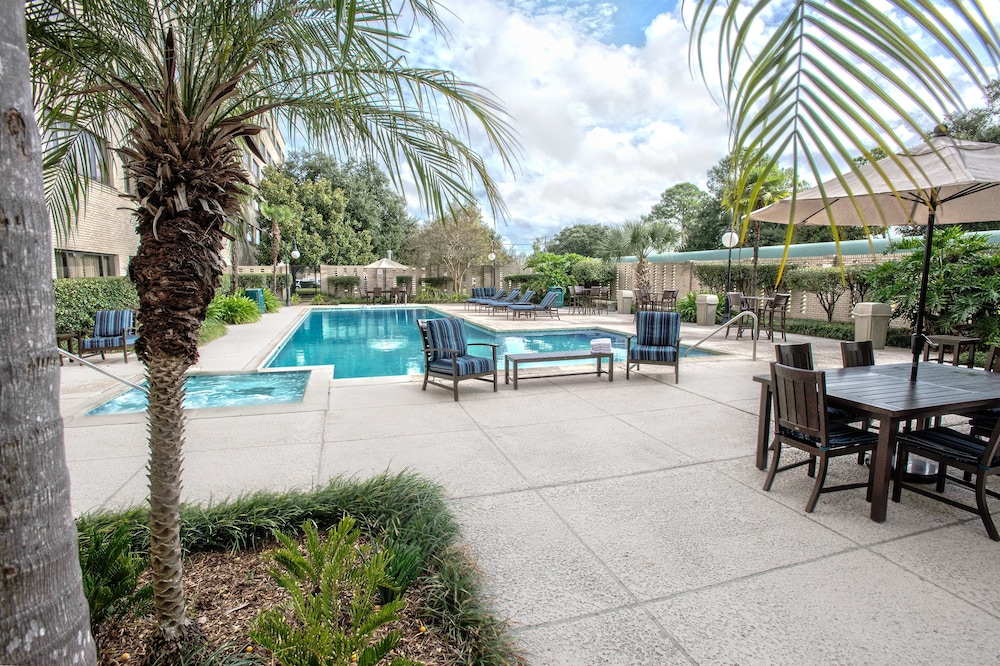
74	357
745	313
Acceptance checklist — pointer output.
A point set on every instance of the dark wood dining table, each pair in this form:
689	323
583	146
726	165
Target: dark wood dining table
886	394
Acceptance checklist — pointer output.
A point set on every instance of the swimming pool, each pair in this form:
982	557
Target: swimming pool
385	342
201	391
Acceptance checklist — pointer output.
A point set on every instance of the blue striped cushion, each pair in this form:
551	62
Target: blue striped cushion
548	300
650	353
108	341
109	323
447	333
467	365
657	329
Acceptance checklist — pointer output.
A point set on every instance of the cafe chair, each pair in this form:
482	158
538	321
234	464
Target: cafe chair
977	459
983	421
447	358
738	305
775	309
857	354
114	330
657	341
802	421
668	301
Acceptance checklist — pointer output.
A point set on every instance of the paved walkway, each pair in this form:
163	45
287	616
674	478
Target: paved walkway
617	523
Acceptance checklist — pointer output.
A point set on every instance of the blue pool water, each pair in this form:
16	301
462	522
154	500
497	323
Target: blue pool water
385	342
221	391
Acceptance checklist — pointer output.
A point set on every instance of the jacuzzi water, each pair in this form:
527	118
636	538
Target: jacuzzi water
203	391
385	342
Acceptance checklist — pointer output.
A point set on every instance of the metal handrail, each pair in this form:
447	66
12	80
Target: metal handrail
745	313
74	357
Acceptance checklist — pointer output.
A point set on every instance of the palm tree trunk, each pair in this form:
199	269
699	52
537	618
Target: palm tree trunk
165	376
642	273
43	613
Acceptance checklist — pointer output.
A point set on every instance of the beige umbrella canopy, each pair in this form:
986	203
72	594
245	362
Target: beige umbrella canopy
383	265
943	181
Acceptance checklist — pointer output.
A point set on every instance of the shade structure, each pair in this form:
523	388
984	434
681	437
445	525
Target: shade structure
384	264
942	181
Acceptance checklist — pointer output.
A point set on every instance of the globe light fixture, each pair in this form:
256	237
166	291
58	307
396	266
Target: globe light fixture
730	239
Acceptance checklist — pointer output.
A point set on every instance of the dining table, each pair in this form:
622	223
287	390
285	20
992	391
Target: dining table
886	394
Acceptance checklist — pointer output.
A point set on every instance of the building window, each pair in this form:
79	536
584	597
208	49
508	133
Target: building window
70	264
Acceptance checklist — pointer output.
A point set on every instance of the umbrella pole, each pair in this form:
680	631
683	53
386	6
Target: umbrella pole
917	343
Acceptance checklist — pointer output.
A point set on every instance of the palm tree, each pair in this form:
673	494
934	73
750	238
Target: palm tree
638	238
186	79
44	617
831	79
279	216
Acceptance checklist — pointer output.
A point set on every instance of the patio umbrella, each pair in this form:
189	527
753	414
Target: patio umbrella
943	181
384	264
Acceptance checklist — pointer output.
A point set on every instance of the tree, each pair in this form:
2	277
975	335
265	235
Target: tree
680	206
821	83
637	238
453	241
371	204
186	81
826	283
44	617
278	215
582	239
981	123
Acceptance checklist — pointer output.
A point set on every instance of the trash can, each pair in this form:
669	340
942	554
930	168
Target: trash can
256	295
625	299
708	306
558	303
871	322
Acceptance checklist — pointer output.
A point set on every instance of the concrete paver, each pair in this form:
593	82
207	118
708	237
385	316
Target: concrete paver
615	523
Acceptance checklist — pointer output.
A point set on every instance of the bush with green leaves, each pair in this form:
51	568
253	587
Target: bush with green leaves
593	272
111	572
550	270
234	309
963	289
712	276
859	282
827	284
334	612
687	307
79	299
318	299
343	284
271	302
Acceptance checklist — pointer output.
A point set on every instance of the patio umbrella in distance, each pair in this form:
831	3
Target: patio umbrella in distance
384	264
942	181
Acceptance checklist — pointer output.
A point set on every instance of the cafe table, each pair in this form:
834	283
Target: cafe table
886	394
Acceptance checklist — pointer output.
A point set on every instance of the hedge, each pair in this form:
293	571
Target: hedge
713	277
78	299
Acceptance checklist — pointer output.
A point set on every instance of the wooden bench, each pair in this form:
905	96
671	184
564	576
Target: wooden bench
541	357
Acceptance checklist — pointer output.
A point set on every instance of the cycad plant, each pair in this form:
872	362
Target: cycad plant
189	83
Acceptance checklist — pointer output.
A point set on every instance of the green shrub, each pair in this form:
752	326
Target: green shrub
211	329
111	572
79	299
344	283
687	307
712	276
334	614
592	272
307	291
271	302
438	282
234	309
295	299
318	299
827	284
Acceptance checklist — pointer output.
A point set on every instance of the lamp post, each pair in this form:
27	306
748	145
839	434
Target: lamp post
493	261
294	254
730	239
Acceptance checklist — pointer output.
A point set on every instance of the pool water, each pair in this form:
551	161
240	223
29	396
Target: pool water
385	342
203	391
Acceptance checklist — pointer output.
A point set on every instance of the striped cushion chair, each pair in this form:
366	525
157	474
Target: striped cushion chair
657	341
113	330
447	358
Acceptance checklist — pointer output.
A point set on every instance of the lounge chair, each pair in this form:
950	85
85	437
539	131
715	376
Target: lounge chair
481	294
657	341
529	309
524	300
113	330
509	298
446	356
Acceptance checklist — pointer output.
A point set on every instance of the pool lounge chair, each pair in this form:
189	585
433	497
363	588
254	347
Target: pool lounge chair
509	298
524	300
657	341
446	357
528	309
113	330
481	294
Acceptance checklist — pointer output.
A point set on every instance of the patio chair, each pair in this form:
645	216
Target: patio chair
800	355
737	305
447	358
775	309
496	306
485	297
983	422
113	330
503	300
668	301
658	341
857	354
802	421
978	460
530	309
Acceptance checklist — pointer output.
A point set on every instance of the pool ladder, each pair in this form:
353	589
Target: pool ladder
755	329
74	357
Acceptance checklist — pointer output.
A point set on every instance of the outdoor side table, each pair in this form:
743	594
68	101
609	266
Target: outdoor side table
73	344
955	343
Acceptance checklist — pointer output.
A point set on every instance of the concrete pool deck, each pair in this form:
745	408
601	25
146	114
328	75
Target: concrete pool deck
616	523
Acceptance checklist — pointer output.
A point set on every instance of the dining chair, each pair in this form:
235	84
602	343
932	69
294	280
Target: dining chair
776	309
737	305
802	421
796	355
668	301
977	459
983	421
857	354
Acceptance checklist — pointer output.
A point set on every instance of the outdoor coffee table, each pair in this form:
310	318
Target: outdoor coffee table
540	357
